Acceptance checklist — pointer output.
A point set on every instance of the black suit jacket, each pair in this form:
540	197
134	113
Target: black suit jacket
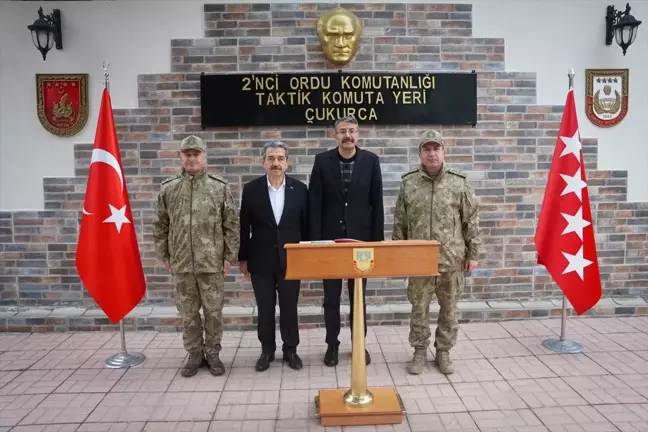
261	238
361	210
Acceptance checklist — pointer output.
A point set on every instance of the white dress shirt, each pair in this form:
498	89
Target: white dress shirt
277	198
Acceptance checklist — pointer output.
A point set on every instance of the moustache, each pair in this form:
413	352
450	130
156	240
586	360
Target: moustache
346	140
275	167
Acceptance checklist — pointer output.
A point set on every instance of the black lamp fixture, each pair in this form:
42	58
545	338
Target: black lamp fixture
621	26
46	31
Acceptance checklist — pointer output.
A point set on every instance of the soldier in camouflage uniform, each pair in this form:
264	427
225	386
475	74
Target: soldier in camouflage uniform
197	237
436	202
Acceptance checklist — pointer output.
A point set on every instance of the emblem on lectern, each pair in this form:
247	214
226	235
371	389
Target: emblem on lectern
363	259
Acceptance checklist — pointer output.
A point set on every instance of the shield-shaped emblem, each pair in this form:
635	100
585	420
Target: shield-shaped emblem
606	96
363	259
62	102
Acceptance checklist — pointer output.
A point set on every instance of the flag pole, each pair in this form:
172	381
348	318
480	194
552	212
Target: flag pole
563	345
123	359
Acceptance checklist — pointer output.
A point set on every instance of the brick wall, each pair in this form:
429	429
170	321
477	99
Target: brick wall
506	155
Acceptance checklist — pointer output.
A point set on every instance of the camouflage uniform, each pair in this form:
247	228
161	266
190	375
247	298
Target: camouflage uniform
196	230
442	208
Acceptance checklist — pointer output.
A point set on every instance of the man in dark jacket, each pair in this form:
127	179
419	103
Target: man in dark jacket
345	201
274	212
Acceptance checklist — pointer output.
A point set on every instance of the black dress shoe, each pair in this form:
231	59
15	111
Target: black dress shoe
367	357
293	360
264	362
331	356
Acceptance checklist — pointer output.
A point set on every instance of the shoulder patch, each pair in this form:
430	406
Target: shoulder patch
170	179
217	178
456	172
415	170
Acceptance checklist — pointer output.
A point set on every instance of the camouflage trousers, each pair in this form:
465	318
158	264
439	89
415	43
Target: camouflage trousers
421	290
193	291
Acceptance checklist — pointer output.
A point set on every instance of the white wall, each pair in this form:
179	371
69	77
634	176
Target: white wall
134	35
577	41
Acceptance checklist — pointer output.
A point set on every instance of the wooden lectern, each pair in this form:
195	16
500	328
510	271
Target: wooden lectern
350	259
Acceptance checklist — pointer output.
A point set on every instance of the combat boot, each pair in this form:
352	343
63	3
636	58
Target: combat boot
216	366
418	362
444	363
195	361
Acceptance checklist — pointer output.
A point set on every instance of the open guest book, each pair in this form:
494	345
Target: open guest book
341	240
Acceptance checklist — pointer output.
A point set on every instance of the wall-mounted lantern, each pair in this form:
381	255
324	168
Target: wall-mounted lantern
621	26
46	31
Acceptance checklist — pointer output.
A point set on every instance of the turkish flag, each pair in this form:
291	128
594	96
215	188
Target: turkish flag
107	256
564	238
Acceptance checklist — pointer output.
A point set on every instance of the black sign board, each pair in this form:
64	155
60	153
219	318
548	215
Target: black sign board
285	99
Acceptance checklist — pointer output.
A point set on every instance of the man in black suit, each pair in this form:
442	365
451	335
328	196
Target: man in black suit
274	211
345	201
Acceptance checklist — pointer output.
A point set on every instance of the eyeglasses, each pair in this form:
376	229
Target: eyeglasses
349	131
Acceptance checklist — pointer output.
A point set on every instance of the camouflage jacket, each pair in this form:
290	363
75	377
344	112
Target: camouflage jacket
196	226
443	209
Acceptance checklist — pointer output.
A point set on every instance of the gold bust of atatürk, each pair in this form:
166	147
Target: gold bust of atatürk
339	33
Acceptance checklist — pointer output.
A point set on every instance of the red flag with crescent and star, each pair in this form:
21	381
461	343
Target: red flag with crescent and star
564	238
107	257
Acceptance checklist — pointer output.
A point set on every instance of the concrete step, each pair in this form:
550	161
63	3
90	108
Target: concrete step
166	318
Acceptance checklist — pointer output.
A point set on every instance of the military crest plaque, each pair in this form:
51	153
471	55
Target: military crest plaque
62	102
363	259
606	96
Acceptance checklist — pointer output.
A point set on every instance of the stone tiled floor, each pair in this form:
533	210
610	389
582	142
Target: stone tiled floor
505	381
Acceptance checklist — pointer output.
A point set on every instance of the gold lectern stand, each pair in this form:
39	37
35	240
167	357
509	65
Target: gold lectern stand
357	260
